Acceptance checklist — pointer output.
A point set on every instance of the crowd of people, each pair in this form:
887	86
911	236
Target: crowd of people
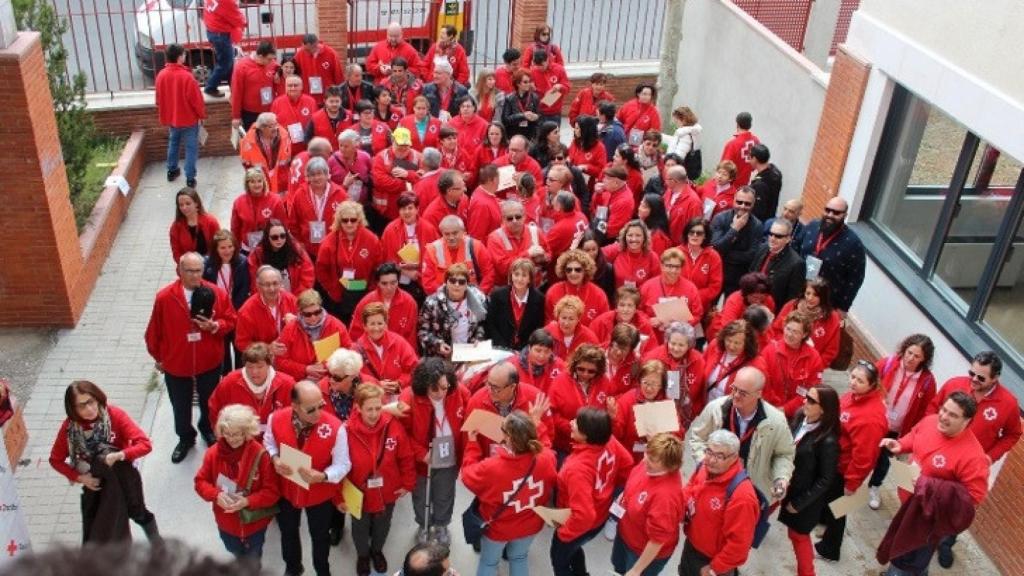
406	214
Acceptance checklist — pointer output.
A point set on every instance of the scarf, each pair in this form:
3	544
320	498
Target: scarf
259	391
341	402
535	370
314	331
302	430
231	456
814	314
84	445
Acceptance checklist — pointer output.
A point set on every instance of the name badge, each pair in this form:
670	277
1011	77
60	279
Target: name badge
365	141
639	447
629	283
801	391
316	85
194	336
672	385
348	274
617	510
377	201
254	238
375	482
546	224
442	452
226	484
266	95
444	116
813	266
296	133
601	213
524	124
355	191
317	230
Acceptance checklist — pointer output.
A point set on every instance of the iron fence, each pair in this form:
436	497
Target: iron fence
846	11
787	19
607	30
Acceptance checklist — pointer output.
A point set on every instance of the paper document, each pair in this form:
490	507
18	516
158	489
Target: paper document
479	352
120	182
672	310
486	423
552	516
904	474
353	498
656	417
845	504
236	137
324	347
410	254
295	459
550	98
506	177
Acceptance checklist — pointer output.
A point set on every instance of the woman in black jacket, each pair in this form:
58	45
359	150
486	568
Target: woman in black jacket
816	435
516	310
520	111
227	268
604	276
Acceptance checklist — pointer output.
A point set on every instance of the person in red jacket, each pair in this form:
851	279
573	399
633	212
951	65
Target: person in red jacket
552	83
295	351
348	257
187	343
597	460
640	114
305	426
703	264
266	312
281	250
504	393
734	347
437	405
252	86
235	475
403	86
568	223
96	446
566	327
719	526
633	259
652	378
252	209
267	146
536	362
471	128
506	486
408	230
378	63
942	445
314	205
613	204
720	190
181	109
754	290
424	129
622	359
909	388
671	285
455	247
586	151
585	102
451	199
193	227
320	67
224	23
577	268
395	170
826	323
402	309
388	360
738	148
682	202
448	48
627	311
519	158
330	121
794	366
863	424
997	426
382	469
650	510
583	384
256	385
515	239
294	112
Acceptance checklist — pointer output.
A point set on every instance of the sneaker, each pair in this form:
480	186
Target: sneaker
180	451
442	536
380	563
945	556
363	566
191	182
874	498
215	93
611	528
172	175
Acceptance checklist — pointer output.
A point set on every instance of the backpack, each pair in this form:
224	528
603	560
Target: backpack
762	525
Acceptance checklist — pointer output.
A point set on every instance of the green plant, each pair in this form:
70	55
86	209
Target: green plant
74	125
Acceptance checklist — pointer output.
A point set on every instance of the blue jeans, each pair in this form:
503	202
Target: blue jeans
517	551
223	59
249	547
623	559
189	136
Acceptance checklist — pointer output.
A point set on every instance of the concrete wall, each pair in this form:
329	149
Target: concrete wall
729	63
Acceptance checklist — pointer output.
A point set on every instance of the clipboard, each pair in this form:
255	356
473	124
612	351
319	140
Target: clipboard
353	498
656	417
506	177
550	98
295	459
410	254
845	504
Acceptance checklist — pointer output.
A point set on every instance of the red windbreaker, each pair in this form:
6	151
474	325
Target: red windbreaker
997	423
249	215
421	423
170	333
960	458
493	479
265	491
320	69
567	397
382	451
182	240
863	423
824	332
383	53
300	351
737	149
656	290
177	97
387	188
306	208
595	302
396	362
342	260
525	395
590	465
256	322
403	313
252	87
654	508
585	103
233	389
791	373
718	527
125	435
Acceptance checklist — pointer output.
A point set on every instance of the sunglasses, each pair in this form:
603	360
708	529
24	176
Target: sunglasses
349	220
834	212
342	378
583	370
315	409
696	233
513	217
560	158
277	236
975	376
312	314
743	203
458	281
573	270
778	236
811	400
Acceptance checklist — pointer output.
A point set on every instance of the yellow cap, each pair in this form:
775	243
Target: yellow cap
402	137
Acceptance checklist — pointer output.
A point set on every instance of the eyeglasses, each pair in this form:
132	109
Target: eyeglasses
742	203
741	393
458	281
696	233
671	266
513	217
277	236
778	236
191	270
834	212
975	376
573	270
720	456
867	366
314	409
349	220
584	370
341	378
494	388
810	399
312	314
86	403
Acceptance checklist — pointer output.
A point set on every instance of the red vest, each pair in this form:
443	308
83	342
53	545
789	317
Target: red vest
318	445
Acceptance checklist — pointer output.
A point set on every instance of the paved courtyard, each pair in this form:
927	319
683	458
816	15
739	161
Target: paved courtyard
108	348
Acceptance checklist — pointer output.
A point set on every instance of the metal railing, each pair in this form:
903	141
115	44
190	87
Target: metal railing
846	11
594	31
787	19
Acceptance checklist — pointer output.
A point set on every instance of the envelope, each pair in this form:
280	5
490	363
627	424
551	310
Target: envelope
486	423
845	504
672	310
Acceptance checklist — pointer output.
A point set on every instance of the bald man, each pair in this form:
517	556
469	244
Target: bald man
378	63
834	252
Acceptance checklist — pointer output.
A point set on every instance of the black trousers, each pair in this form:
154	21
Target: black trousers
318	518
179	389
568	558
105	514
832	540
370	532
692	561
882	465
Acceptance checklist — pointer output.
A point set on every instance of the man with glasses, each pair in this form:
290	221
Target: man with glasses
256	385
504	393
518	158
736	235
779	261
834	252
187	343
456	247
305	426
791	210
265	313
765	441
516	239
451	199
719	526
682	203
997	425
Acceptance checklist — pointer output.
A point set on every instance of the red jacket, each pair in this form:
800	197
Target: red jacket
863	424
585	103
299	277
654	508
595	302
324	65
624	424
682	207
725	377
505	249
265	491
426	190
300	351
462	160
824	332
997	423
656	290
382	451
583	335
439	208
484	217
339	257
547	373
395	363
624	378
256	323
486	154
296	117
387	188
545	80
434	267
737	149
705	271
403	313
554	53
733	309
960	458
605	323
632	269
591	161
564	230
178	98
525	395
225	17
252	87
527	164
718	527
182	240
723	200
330	128
492	480
125	435
383	53
431	136
503	79
691	377
169	335
619	206
791	373
456	56
319	445
472	135
249	216
567	397
421	423
306	208
590	465
396	237
402	97
637	116
233	389
923	393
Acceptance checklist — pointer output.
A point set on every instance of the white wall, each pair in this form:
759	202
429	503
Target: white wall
729	63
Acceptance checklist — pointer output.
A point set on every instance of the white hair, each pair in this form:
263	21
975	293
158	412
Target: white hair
265	118
345	361
431	158
443	66
238	417
724	439
450	221
348	135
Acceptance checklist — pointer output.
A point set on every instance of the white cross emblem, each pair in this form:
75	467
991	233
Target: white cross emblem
305	110
716	504
390	444
990	413
324	430
641	497
705	268
266	212
641	273
819	332
605	470
939	461
534	490
325	65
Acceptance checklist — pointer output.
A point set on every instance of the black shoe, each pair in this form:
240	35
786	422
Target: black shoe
215	93
380	563
363	566
209	438
823	556
180	451
172	175
191	182
945	556
335	536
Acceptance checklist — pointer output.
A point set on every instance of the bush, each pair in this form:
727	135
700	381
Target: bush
74	125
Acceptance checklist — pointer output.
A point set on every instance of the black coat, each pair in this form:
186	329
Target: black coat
766	184
513	114
366	92
239	279
786	272
737	248
433	96
842	262
500	324
815	467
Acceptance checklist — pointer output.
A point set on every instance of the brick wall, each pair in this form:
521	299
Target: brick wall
124	121
835	131
622	87
526	16
999	524
332	21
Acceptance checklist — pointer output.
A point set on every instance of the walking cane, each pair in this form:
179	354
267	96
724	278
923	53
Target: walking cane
427	500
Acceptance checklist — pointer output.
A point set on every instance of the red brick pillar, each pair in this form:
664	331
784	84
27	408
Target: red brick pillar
332	19
835	131
41	254
526	16
999	526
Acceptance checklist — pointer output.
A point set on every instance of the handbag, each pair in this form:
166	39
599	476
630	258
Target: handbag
473	524
250	515
693	162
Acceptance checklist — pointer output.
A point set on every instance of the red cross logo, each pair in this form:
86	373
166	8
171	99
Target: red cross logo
716	504
527	497
990	413
939	461
605	471
390	444
324	430
844	417
266	212
12	547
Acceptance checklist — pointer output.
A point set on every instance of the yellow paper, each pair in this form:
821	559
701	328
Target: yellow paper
552	516
326	346
656	417
353	498
672	310
295	459
845	504
410	254
486	423
905	475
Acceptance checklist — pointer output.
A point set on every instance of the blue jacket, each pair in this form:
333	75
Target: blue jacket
611	136
842	262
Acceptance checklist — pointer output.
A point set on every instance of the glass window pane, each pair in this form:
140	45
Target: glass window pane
915	180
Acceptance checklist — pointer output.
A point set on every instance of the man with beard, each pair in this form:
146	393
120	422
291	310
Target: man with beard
736	235
835	253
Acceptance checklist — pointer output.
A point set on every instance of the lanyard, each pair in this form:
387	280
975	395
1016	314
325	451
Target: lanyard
377	456
734	426
824	242
275	312
225	282
903	385
319	205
